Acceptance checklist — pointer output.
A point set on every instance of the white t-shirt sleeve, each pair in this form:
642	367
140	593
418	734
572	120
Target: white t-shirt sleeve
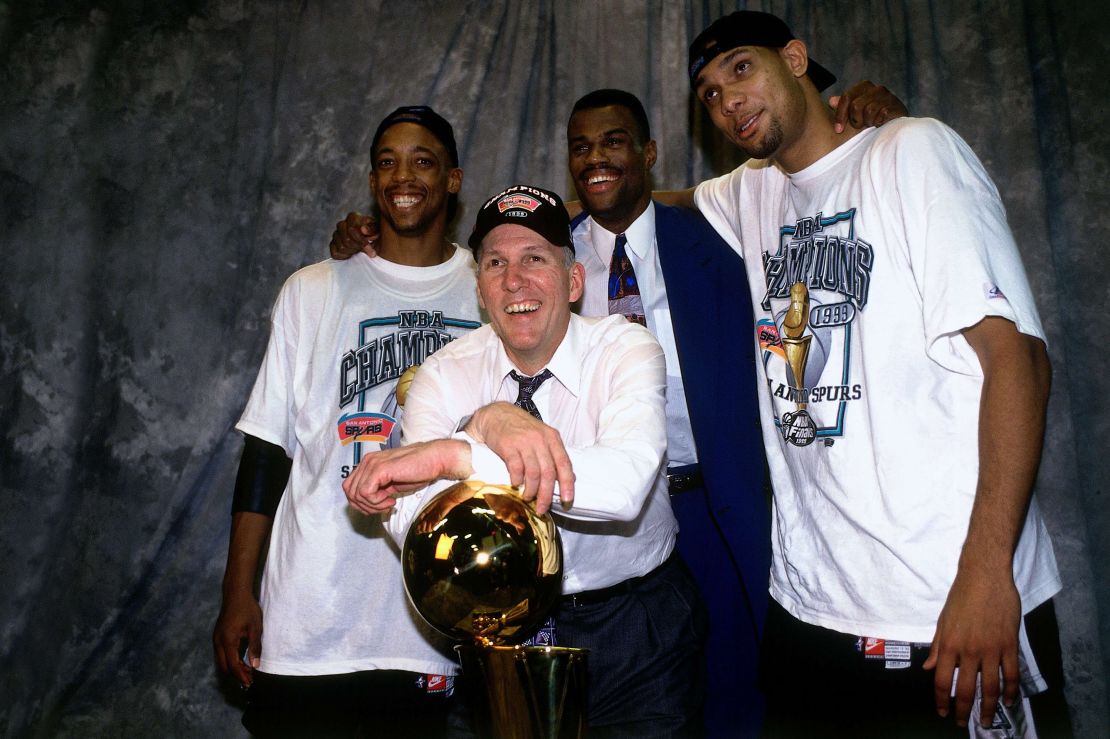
270	413
961	250
718	200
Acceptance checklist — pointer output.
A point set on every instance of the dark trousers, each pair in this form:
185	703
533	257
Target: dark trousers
733	703
374	703
819	684
646	668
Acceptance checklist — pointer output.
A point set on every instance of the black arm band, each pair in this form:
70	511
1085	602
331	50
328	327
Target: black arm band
263	473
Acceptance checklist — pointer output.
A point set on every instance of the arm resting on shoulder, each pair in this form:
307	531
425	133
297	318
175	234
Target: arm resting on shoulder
978	627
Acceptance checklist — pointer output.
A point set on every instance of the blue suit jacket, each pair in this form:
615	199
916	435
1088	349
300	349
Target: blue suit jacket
713	328
712	320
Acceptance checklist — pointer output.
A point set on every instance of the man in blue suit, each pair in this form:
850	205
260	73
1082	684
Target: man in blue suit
693	296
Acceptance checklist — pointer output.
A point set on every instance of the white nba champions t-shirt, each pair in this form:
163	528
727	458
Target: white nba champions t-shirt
864	268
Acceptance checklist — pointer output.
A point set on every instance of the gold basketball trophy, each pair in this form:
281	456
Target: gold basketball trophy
797	427
794	344
480	566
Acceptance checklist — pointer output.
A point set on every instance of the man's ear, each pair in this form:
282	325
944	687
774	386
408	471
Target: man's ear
481	303
796	56
454	180
577	279
370	181
651	153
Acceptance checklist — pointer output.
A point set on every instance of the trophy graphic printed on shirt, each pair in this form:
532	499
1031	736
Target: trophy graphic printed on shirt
797	428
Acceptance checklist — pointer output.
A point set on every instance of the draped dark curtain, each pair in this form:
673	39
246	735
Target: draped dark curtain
165	165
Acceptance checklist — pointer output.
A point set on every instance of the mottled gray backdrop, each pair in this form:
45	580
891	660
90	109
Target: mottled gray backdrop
164	165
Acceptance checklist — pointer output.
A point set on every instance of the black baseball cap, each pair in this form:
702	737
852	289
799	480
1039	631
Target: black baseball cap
748	28
424	116
523	205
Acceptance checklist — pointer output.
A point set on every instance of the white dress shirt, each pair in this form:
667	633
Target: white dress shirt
594	249
606	400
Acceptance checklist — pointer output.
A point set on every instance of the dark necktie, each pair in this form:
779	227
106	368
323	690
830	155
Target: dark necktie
624	292
528	388
545	635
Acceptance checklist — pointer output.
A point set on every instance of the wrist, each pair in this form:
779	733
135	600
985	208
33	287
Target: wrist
458	462
234	590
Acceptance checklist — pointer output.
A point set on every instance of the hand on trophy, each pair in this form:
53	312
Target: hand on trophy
381	476
532	451
353	234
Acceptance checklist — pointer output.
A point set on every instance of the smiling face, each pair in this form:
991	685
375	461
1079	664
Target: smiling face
526	288
411	179
609	163
754	95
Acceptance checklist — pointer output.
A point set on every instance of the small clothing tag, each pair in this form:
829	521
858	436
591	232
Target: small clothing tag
436	683
895	654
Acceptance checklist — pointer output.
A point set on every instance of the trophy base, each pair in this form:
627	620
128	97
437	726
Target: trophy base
526	692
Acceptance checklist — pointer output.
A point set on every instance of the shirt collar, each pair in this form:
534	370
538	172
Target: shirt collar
640	235
564	364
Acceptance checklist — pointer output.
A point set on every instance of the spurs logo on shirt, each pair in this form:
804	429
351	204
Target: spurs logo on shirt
387	346
817	283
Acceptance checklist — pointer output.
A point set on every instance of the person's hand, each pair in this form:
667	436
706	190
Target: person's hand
353	234
866	104
240	618
978	632
532	451
381	476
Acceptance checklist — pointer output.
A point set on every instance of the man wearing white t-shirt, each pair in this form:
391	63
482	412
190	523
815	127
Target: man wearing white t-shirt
904	384
342	654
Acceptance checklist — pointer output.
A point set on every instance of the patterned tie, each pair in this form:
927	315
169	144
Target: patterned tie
528	388
624	292
545	634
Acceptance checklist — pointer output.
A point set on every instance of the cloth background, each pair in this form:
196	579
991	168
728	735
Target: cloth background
165	165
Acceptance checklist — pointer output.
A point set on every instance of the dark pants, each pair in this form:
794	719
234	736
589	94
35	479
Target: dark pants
819	684
375	703
646	664
733	703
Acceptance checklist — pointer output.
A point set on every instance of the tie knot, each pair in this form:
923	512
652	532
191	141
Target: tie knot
618	247
529	385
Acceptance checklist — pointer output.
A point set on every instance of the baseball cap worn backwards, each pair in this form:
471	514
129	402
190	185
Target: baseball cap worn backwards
424	116
523	205
748	28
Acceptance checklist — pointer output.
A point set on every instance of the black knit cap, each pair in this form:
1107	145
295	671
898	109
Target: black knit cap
748	28
523	205
424	116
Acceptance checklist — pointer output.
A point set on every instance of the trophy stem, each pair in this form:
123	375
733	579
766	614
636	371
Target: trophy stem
526	692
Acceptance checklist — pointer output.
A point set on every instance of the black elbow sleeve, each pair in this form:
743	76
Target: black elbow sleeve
263	473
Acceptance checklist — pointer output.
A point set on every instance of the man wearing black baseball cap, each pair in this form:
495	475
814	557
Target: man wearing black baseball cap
597	386
897	331
341	654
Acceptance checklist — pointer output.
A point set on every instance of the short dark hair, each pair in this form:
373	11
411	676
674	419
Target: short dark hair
609	96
